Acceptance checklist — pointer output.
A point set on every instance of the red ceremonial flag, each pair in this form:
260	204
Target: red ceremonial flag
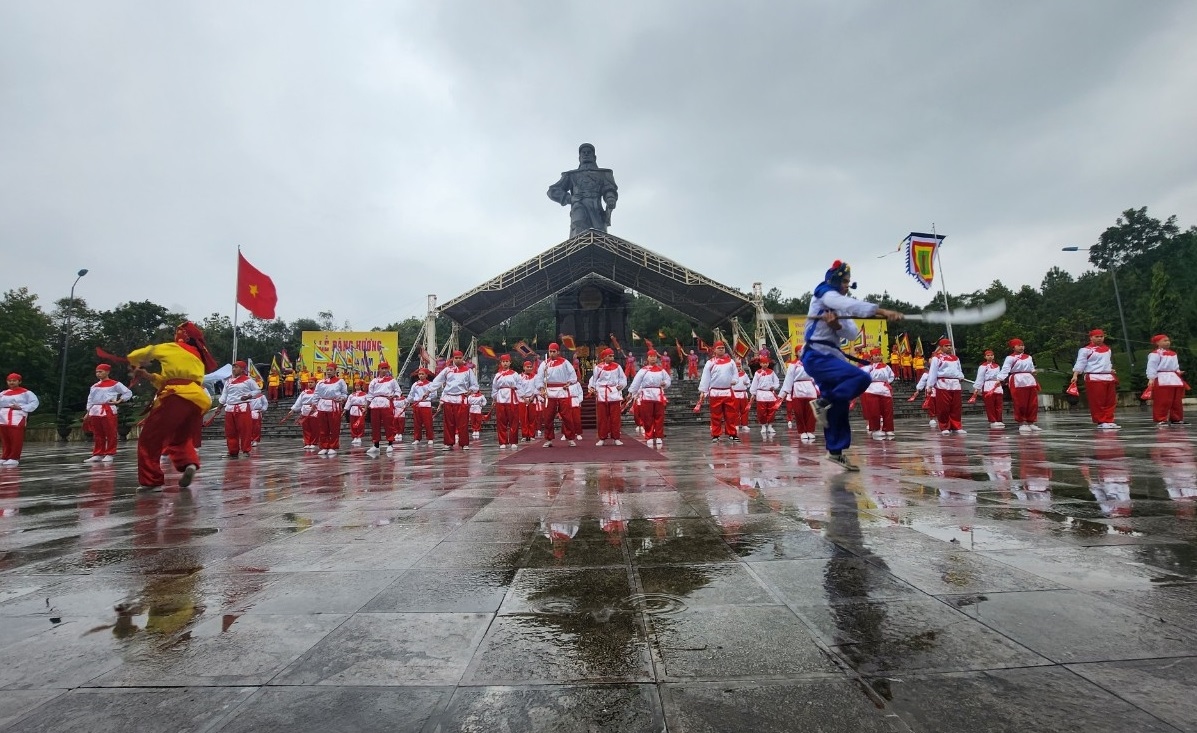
648	344
255	291
568	342
741	349
488	352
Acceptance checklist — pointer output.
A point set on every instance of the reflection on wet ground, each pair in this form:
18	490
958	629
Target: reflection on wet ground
986	582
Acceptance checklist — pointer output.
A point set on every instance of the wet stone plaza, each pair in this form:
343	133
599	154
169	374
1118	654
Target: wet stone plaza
981	582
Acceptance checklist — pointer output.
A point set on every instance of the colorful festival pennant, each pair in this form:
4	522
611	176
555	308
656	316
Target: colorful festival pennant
920	256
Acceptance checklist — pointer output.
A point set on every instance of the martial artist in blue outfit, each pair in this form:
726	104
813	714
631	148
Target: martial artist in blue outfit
828	325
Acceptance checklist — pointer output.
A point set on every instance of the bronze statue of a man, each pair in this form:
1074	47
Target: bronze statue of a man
586	189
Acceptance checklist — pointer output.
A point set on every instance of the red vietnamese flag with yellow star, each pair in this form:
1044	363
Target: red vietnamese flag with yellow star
255	291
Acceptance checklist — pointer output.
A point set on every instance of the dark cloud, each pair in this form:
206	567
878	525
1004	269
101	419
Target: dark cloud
366	154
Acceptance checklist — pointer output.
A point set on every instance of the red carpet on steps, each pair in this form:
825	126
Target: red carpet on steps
585	452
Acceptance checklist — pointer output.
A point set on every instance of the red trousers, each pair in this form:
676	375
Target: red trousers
1025	401
421	418
652	416
170	430
238	432
947	408
878	412
507	422
765	411
994	406
804	417
1103	396
399	423
530	418
456	422
103	433
742	410
272	394
329	426
725	415
382	424
357	425
13	439
257	427
288	389
559	406
608	414
311	430
475	422
1166	403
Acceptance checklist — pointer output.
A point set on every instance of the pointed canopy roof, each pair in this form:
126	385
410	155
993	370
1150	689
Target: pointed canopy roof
595	253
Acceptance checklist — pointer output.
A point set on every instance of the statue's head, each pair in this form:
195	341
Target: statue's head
586	153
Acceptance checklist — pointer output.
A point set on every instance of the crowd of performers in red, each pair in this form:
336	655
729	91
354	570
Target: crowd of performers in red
527	403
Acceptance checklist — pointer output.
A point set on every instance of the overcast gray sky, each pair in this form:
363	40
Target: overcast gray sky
365	154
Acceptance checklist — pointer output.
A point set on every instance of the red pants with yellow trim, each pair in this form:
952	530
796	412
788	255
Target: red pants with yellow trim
608	414
103	433
1166	403
238	431
725	415
878	412
507	422
1025	401
947	408
1103	397
995	405
652	416
169	430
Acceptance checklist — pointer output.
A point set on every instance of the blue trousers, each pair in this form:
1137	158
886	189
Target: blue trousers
839	383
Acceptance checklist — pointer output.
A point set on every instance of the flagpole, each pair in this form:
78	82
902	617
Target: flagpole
943	286
236	291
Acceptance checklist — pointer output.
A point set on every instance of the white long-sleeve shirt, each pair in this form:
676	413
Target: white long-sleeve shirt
764	385
104	395
476	401
382	391
650	383
719	375
819	335
555	376
743	382
608	382
357	402
331	394
305	402
798	384
16	404
258	405
421	394
455	384
1164	367
1020	369
924	382
505	387
238	393
881	377
989	379
527	389
945	372
1095	363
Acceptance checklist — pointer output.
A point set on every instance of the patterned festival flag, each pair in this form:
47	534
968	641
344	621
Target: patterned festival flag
521	348
614	342
918	346
920	256
568	342
703	346
635	336
488	352
274	364
286	363
741	349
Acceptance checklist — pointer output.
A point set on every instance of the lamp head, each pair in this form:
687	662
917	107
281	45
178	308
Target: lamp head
1070	249
82	272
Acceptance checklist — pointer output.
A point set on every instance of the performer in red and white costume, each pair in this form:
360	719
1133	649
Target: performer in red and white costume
1167	383
740	390
455	383
553	381
763	390
356	404
383	391
399	417
477	402
1101	386
607	384
989	387
505	392
530	417
257	409
16	403
305	405
692	365
420	398
719	375
576	395
102	400
945	376
331	393
800	391
877	402
648	388
1018	370
629	366
239	391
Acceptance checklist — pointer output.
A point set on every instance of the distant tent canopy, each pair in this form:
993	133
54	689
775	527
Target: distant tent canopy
594	253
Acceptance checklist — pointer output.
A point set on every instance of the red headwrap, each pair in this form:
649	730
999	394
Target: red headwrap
103	367
945	342
606	352
457	354
15	376
1158	338
1097	332
554	347
239	364
194	337
652	352
383	365
1014	342
720	345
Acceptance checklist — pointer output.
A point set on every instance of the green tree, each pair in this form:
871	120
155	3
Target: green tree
1134	233
27	343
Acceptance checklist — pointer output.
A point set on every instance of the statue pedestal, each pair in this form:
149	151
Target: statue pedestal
591	311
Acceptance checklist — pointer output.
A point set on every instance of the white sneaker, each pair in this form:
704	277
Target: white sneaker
764	430
879	435
996	425
465	447
547	444
446	447
355	442
619	442
961	431
390	448
889	434
1024	429
945	432
372	451
572	444
790	424
429	442
397	439
502	446
660	442
1035	428
10	462
331	453
254	443
323	452
475	436
599	443
933	423
772	430
562	437
106	459
743	428
92	459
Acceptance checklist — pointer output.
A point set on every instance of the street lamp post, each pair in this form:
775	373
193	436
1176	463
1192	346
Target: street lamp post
66	338
1118	299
